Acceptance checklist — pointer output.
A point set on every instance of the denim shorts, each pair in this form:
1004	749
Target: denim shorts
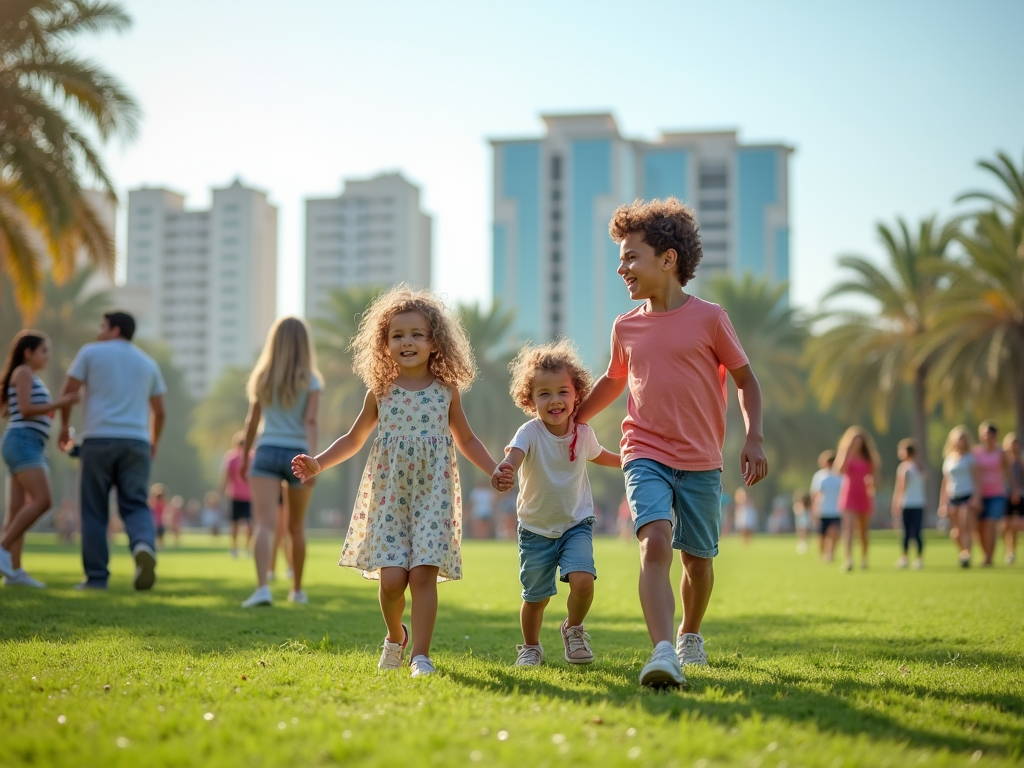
572	552
275	462
689	499
23	449
993	508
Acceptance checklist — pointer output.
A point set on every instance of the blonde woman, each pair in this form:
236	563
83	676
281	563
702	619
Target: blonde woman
960	495
284	393
858	463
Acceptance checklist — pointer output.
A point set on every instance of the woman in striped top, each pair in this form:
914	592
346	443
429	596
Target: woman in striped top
27	404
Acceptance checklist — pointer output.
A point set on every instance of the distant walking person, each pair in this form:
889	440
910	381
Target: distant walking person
996	478
1014	522
234	488
25	402
825	487
858	463
960	495
123	418
284	393
908	500
158	506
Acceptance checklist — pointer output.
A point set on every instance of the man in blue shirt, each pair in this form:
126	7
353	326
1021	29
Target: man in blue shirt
123	418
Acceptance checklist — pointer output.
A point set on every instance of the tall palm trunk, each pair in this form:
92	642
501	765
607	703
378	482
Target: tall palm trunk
920	429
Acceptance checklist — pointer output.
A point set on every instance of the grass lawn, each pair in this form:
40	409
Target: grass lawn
809	667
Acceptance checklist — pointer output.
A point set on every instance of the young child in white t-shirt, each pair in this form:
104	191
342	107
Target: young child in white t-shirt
555	506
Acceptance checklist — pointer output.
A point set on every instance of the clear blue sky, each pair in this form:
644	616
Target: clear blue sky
889	104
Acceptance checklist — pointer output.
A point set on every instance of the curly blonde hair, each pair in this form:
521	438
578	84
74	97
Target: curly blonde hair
559	355
452	364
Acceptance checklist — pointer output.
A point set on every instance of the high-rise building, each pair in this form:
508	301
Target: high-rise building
554	263
373	233
210	276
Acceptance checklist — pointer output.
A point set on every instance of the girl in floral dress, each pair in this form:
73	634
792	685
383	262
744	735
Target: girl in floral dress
414	357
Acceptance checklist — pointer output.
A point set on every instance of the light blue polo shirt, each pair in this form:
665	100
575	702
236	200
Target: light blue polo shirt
119	379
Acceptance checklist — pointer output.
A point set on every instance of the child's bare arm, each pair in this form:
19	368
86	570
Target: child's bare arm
345	447
897	493
604	393
469	445
502	479
608	459
753	463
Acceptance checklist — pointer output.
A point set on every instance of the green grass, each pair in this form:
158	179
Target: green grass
809	667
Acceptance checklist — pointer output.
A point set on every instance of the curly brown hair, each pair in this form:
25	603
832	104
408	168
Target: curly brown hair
559	355
664	224
452	364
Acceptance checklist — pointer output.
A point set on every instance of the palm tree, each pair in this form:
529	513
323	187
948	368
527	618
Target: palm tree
977	340
867	357
1013	179
49	98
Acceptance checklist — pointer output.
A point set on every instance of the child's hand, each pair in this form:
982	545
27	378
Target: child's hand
503	478
753	463
305	467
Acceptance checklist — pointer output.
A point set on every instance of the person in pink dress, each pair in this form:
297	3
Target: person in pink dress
998	486
858	463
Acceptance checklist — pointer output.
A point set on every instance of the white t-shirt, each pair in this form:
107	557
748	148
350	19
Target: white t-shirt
554	493
480	499
827	483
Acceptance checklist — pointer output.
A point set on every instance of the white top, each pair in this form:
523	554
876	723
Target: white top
554	493
913	487
959	471
827	483
119	380
481	501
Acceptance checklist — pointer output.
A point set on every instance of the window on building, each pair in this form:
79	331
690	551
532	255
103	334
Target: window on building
714	225
555	320
712	205
715	179
556	277
715	245
556	256
556	235
230	207
556	194
556	167
144	210
556	214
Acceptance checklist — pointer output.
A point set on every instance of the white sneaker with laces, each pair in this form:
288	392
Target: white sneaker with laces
6	567
22	579
576	643
529	655
690	650
902	562
261	596
422	666
1011	557
145	567
298	597
391	656
663	670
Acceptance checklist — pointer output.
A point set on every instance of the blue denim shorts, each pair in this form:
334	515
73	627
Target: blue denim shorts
690	500
22	449
993	508
275	462
539	556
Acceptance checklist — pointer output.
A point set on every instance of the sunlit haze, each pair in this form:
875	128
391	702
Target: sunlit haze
888	105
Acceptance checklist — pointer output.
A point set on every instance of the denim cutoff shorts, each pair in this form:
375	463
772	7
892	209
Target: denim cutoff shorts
993	508
690	500
539	556
22	449
275	462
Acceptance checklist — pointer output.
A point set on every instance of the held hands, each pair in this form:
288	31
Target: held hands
66	441
753	463
71	398
503	478
305	467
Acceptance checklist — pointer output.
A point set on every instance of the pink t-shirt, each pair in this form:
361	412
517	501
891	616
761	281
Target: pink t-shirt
238	489
676	363
990	463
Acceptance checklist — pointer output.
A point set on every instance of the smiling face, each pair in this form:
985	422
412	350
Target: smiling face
554	397
37	358
645	272
409	341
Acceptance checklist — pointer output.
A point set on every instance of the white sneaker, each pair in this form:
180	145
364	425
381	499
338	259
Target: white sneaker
801	548
422	666
918	564
298	597
690	650
22	579
902	562
145	567
529	655
391	656
1011	557
6	567
261	596
663	670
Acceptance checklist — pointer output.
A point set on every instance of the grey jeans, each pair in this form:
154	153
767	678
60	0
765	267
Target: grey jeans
113	463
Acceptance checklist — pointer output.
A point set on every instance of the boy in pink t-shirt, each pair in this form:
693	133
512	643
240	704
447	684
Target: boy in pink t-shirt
673	352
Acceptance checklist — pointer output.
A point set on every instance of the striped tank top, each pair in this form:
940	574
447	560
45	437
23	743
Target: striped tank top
39	394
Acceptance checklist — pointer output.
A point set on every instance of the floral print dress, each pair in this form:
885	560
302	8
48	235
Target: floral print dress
408	511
